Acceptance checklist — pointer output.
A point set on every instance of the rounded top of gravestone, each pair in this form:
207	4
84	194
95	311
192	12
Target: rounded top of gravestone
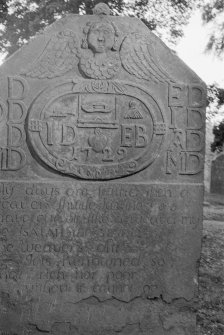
101	9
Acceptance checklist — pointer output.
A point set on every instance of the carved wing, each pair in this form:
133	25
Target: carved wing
138	58
59	56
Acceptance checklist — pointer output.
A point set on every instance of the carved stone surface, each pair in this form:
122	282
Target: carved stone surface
217	175
101	159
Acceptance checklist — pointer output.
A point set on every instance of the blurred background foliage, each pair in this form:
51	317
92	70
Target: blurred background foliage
22	19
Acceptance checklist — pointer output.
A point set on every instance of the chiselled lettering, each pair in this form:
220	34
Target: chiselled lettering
12	159
12	154
184	162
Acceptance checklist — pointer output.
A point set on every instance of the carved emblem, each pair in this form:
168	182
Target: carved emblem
100	53
96	130
133	112
98	141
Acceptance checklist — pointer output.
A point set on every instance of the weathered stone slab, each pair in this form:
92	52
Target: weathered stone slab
102	149
217	175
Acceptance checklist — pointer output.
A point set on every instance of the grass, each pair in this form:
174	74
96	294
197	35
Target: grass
211	272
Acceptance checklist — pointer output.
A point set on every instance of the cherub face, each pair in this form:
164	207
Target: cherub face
101	37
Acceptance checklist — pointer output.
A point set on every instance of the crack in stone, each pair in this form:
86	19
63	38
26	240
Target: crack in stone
96	300
131	324
35	326
68	328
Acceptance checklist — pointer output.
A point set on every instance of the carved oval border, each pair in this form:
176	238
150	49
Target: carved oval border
88	171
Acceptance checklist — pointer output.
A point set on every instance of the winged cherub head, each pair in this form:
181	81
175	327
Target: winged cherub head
100	37
99	56
100	59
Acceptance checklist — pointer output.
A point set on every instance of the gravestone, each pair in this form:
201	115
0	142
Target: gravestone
217	175
102	146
